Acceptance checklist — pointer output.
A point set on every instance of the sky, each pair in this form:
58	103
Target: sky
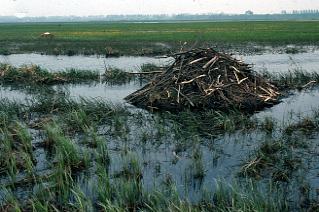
108	7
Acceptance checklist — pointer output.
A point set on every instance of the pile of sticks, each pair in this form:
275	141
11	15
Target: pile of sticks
206	79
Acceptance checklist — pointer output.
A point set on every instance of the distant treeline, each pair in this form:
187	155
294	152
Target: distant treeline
303	11
294	15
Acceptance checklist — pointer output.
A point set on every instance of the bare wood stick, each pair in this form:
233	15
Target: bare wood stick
212	61
235	69
309	83
178	92
192	104
198	60
268	92
242	80
147	72
237	78
189	81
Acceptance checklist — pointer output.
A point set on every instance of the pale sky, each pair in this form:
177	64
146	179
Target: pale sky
108	7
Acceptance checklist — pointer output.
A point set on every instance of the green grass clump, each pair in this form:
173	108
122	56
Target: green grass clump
10	111
83	110
114	75
76	76
149	67
67	152
25	74
247	198
295	79
131	168
275	159
4	51
211	122
307	125
8	201
36	75
16	151
197	164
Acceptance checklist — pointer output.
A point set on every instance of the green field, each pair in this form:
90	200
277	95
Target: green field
150	38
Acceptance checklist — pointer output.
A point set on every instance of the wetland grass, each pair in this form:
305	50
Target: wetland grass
197	164
306	125
4	51
67	152
84	112
226	198
268	124
35	75
294	79
79	137
102	152
131	168
248	197
9	201
211	122
117	76
10	110
274	158
16	151
150	67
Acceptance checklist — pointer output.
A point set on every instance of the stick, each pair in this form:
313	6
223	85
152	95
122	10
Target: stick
189	81
211	62
179	91
192	104
234	69
195	61
147	72
309	83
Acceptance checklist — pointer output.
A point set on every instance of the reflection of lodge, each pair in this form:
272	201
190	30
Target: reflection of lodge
47	35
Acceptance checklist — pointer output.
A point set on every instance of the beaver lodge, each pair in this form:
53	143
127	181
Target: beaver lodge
206	79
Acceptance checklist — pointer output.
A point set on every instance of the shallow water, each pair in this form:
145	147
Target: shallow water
113	93
296	106
103	91
168	157
61	62
12	94
271	62
278	63
222	157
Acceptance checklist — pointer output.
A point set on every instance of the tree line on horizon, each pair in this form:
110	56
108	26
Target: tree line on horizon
311	14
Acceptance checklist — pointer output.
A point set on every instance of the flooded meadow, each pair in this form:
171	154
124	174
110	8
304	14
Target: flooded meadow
79	146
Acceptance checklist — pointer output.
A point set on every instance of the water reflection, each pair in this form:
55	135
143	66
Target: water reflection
298	105
60	63
270	62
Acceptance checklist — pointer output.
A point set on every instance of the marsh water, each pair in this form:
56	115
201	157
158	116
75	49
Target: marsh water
270	62
222	156
95	63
